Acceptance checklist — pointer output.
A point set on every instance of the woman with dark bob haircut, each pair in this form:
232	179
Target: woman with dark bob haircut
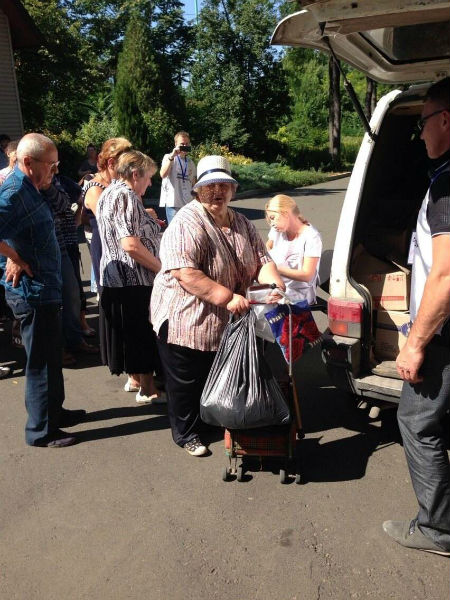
129	263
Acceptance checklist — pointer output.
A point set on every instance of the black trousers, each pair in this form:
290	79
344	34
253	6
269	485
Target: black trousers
74	254
185	371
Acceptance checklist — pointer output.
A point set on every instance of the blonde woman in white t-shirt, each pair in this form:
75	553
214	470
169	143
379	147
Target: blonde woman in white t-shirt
295	246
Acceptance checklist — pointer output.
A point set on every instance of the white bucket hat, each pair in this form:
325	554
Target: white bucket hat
213	169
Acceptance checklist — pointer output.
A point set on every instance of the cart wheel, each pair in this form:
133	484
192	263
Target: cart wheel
225	474
283	476
298	466
240	473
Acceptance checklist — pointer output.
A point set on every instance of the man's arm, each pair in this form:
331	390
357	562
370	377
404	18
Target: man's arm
167	163
14	265
433	310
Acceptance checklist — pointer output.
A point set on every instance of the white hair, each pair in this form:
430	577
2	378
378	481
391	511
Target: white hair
33	144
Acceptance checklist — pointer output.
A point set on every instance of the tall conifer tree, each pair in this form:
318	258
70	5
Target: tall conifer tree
145	97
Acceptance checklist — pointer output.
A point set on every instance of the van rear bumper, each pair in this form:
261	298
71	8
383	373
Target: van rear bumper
379	388
342	357
342	352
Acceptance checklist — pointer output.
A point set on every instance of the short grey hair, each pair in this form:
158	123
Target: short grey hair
134	161
34	144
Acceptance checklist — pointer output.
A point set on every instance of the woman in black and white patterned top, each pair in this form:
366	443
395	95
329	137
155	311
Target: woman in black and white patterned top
130	247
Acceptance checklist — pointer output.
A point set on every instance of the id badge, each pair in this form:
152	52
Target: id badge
412	248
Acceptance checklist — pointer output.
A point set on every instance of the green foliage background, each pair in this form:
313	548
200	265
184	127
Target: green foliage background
136	68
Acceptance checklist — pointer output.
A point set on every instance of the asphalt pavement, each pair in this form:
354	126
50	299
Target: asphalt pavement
127	515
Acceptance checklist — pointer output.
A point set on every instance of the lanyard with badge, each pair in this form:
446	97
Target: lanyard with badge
183	171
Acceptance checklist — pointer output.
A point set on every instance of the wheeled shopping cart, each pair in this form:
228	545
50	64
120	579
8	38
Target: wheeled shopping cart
280	442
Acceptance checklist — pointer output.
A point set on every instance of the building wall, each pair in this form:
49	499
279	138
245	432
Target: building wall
10	113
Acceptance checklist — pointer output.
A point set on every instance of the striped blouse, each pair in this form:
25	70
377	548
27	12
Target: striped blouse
120	213
232	259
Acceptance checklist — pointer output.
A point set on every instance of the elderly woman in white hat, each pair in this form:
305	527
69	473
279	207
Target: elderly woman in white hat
210	254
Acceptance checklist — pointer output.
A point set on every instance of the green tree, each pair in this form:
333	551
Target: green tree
318	108
53	79
305	134
104	23
172	40
238	90
145	101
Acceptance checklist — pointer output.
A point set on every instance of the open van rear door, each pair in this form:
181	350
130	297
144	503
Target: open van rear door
391	41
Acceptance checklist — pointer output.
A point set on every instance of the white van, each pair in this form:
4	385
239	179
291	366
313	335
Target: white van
391	41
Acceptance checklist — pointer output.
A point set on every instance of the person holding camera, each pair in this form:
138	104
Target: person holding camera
178	176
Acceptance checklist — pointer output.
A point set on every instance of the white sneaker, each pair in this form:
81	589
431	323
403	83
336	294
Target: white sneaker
129	387
143	399
153	399
195	447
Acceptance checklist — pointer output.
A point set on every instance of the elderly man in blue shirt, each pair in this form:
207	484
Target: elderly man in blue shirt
32	281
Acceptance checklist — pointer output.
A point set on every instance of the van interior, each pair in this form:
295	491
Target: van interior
396	183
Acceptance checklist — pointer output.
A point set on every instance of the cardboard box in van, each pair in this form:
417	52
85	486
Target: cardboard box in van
389	284
391	331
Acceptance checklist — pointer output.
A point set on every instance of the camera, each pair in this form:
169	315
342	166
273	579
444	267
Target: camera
184	148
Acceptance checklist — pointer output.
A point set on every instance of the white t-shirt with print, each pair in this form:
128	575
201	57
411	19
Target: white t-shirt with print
176	187
290	253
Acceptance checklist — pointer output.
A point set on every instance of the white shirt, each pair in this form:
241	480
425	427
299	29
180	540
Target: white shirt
177	185
290	253
422	260
4	173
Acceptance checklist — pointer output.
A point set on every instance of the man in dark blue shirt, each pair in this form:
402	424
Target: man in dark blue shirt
32	282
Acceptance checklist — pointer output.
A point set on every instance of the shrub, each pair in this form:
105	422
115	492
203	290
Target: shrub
96	130
349	149
260	175
70	157
211	147
206	148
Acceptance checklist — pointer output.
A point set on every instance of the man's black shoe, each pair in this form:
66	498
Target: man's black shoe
58	439
69	418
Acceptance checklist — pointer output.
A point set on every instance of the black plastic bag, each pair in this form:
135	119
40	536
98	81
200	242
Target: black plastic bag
241	392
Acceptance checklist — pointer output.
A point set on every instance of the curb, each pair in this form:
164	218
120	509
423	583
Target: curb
269	191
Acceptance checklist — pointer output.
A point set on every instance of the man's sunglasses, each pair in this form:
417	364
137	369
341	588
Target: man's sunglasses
421	122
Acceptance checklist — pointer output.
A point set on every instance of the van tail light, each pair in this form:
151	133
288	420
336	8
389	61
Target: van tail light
345	316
